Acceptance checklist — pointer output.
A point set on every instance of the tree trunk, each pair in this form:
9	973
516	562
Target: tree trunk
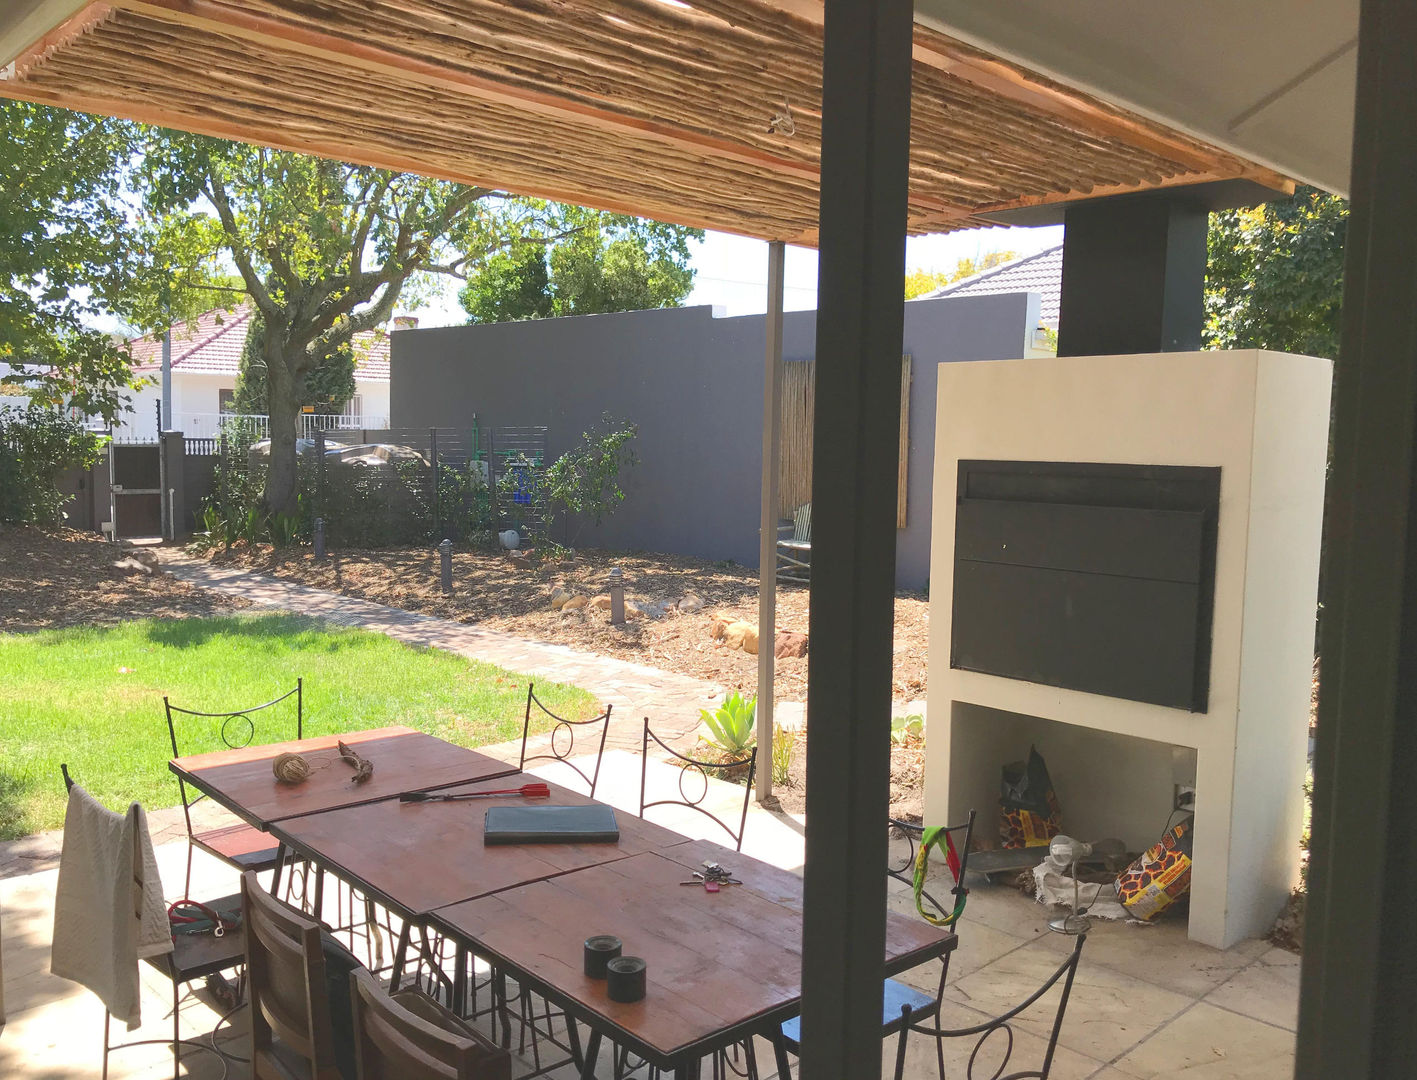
283	406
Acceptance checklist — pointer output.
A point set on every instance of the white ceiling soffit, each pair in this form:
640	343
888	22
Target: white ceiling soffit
1271	80
24	22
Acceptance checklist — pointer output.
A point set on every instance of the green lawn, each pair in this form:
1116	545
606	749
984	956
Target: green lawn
93	698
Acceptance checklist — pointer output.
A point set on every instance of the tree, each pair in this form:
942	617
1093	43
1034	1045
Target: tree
67	257
324	249
920	282
327	387
1274	278
625	264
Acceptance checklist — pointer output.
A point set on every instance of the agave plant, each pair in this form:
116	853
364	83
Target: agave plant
731	725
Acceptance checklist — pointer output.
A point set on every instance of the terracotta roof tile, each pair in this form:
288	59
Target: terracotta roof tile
211	344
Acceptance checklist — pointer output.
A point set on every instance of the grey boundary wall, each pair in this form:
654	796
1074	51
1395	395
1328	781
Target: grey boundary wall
693	383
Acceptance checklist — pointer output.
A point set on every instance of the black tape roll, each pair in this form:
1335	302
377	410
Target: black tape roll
625	978
599	951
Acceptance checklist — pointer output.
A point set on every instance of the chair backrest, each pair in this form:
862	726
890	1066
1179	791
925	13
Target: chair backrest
989	1061
564	752
802	523
703	768
235	729
392	1043
285	966
903	869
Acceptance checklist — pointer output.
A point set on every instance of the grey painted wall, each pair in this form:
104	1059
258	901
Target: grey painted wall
693	383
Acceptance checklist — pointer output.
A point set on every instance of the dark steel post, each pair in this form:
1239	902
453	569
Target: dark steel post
1360	943
617	596
319	538
433	453
860	317
445	551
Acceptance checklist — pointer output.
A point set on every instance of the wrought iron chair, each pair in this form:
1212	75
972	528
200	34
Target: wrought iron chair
392	1041
688	764
559	753
239	845
1064	973
794	554
193	957
901	1002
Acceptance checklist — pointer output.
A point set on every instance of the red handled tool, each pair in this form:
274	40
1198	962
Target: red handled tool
526	791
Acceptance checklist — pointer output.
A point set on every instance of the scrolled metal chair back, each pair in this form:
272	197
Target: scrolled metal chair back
235	727
564	753
903	870
703	769
1001	1025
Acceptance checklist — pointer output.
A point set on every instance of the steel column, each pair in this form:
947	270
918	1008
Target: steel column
1360	944
767	535
860	317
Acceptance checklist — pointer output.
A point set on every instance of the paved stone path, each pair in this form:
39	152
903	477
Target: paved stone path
671	701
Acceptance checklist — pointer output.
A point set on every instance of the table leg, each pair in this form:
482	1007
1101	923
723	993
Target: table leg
573	1036
400	954
688	1069
275	874
499	994
460	980
592	1050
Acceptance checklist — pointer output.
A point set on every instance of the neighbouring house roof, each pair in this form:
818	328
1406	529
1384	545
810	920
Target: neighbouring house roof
1041	273
211	344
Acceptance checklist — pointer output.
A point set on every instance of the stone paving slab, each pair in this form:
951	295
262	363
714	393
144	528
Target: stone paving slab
671	701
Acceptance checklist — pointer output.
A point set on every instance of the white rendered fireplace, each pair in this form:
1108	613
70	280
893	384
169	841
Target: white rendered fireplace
1261	419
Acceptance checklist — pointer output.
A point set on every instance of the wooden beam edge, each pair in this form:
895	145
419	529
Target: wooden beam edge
77	25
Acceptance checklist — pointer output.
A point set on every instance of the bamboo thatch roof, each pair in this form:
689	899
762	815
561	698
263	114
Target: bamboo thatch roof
706	113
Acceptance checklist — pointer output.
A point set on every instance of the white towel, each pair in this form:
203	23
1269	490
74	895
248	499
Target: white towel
108	905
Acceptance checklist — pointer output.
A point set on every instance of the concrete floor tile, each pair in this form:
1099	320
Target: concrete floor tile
1206	1043
1109	1012
996	1055
1161	954
1264	991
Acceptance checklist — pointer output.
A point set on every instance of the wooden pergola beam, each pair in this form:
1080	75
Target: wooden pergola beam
215	16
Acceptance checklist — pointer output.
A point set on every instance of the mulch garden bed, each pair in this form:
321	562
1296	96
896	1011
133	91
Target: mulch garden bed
493	590
63	577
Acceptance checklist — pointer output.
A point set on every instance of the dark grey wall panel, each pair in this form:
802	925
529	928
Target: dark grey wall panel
694	385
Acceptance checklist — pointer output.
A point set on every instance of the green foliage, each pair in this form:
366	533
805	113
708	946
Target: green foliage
66	257
328	386
731	726
920	282
1274	278
89	696
784	749
584	482
907	730
36	445
603	263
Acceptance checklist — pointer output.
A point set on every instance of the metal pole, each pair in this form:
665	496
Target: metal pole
433	453
1360	946
860	323
445	550
767	525
164	416
319	538
617	596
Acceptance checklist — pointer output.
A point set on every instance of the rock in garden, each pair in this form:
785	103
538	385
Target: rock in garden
520	558
742	635
691	604
559	597
600	603
648	611
575	603
131	565
789	643
721	623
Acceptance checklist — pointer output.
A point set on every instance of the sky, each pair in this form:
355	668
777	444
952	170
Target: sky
731	272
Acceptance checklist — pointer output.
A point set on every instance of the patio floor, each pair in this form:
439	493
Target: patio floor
1147	1002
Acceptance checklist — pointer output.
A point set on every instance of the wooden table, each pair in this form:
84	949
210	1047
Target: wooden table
404	760
722	966
415	857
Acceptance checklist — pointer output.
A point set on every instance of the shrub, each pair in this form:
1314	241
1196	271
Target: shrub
731	726
36	445
584	482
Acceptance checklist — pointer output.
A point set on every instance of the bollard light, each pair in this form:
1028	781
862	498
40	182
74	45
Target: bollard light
319	538
445	549
617	596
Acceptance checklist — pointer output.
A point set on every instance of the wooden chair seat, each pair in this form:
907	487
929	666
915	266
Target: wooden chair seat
241	845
